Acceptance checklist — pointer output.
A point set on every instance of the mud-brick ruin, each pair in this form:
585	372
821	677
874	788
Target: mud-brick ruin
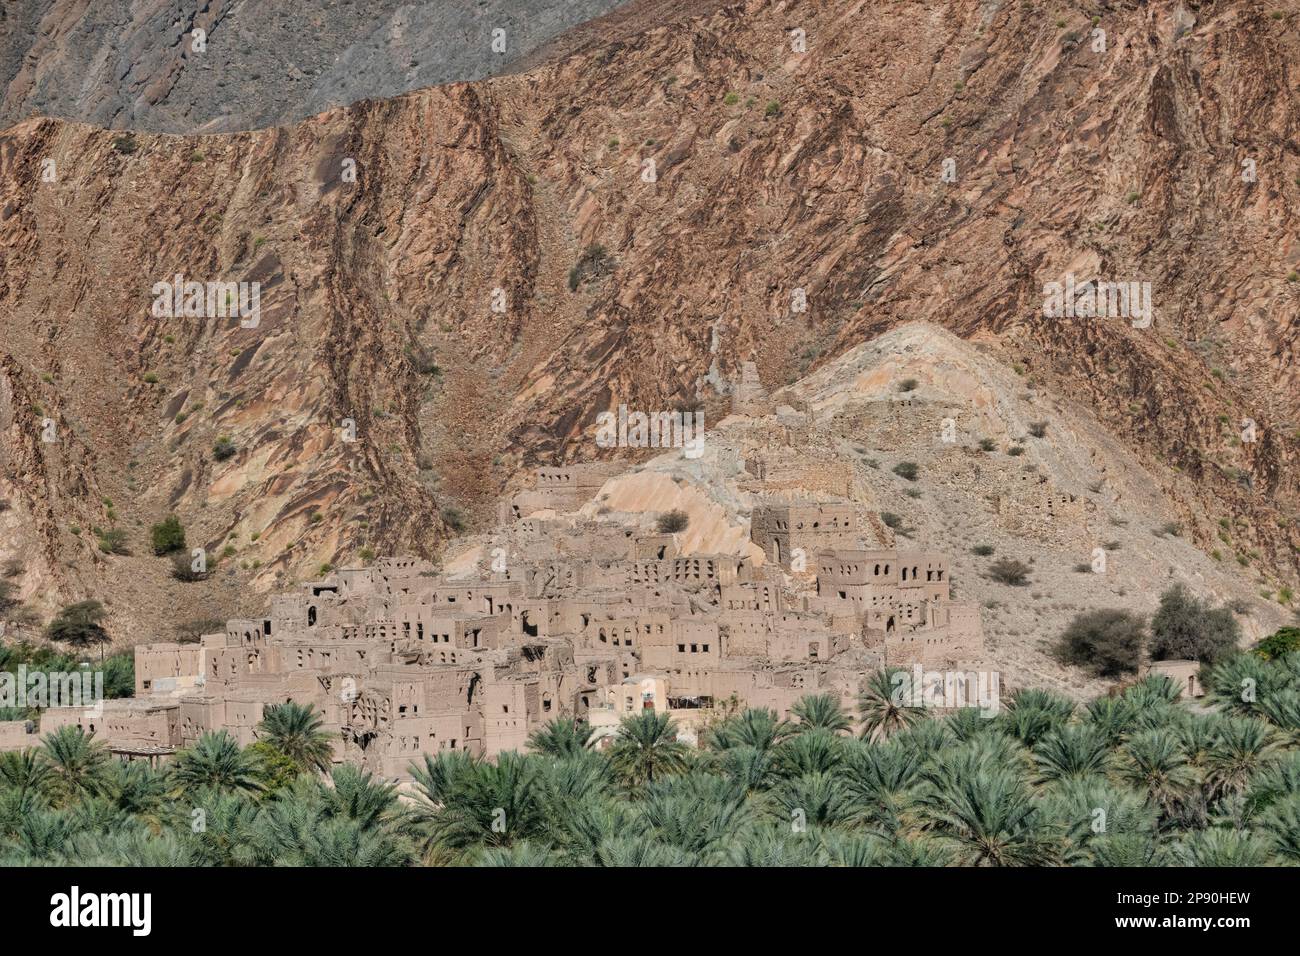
564	615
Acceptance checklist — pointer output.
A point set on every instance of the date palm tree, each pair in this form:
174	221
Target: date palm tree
1281	822
77	764
342	842
1223	847
1236	684
216	761
884	780
757	727
815	751
989	816
227	829
1274	782
1154	761
470	804
139	790
886	704
296	731
561	737
356	795
25	771
698	813
647	749
1240	748
816	799
777	847
821	712
1072	752
1033	714
524	853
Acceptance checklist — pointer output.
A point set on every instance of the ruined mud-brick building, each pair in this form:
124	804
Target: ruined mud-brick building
583	618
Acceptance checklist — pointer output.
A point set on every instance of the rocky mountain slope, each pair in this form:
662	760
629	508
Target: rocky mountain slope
626	224
137	65
1002	471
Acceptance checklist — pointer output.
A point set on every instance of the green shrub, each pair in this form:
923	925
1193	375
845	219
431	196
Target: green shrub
1279	643
167	536
1106	642
224	448
113	541
1185	628
78	624
907	469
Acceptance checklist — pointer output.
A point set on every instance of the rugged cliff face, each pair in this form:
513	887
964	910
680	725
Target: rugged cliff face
506	262
138	64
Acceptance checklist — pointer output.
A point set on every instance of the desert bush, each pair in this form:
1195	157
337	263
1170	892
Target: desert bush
1278	644
78	624
189	632
422	361
453	518
224	448
1107	642
1009	571
907	469
1186	628
983	550
183	569
167	536
671	522
113	541
594	261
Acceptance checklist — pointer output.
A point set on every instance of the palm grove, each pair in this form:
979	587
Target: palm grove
1134	778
